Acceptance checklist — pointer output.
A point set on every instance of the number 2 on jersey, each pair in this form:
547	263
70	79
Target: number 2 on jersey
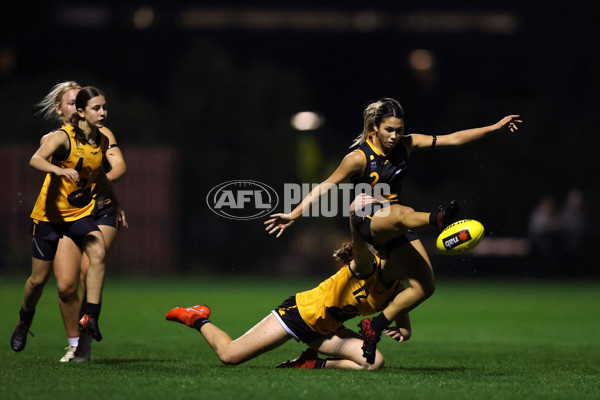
375	177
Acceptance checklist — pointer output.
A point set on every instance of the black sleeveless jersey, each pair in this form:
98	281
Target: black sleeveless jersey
380	168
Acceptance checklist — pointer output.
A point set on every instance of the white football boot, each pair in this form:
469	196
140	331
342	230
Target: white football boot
69	354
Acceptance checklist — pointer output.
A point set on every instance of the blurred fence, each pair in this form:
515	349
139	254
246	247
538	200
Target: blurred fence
149	193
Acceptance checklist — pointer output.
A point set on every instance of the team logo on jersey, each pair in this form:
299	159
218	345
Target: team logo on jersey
242	199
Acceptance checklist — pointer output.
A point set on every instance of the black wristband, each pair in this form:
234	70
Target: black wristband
200	322
433	142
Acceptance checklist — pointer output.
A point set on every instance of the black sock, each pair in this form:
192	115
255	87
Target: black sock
26	316
93	310
320	363
199	323
434	216
379	323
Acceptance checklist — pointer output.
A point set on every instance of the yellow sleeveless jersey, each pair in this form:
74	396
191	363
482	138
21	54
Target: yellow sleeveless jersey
342	297
62	200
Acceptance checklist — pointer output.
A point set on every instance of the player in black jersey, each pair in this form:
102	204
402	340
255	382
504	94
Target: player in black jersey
381	155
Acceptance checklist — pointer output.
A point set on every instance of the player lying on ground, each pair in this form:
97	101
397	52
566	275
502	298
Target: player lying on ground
315	317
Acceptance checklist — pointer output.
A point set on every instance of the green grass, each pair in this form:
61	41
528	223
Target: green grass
471	340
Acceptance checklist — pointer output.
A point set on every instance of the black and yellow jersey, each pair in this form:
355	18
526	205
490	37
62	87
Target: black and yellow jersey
62	200
380	168
344	296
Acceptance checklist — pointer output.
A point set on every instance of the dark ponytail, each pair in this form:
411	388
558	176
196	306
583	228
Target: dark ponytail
344	253
74	121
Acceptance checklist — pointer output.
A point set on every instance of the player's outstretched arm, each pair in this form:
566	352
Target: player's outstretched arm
510	123
351	165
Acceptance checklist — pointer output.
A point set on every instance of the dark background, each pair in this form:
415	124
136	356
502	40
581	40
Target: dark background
220	96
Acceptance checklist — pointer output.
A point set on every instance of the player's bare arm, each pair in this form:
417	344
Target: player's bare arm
114	157
55	142
351	165
402	331
106	187
415	141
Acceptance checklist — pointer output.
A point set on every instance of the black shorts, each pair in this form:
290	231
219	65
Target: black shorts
107	216
47	234
363	227
288	316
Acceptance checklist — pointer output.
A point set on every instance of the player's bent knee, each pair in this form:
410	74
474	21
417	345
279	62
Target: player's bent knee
94	248
429	290
67	290
403	213
424	290
229	359
95	253
377	365
37	281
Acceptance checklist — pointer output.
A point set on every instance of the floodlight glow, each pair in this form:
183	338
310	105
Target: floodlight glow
421	60
306	121
143	18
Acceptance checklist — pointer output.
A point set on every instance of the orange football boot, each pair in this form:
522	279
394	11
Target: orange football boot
188	315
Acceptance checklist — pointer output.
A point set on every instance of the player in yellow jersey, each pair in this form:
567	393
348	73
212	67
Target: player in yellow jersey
72	159
315	317
70	265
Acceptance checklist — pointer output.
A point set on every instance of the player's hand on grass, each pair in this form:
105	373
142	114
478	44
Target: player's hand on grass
510	123
398	334
278	223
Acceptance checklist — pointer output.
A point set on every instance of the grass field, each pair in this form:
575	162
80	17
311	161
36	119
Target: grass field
471	340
